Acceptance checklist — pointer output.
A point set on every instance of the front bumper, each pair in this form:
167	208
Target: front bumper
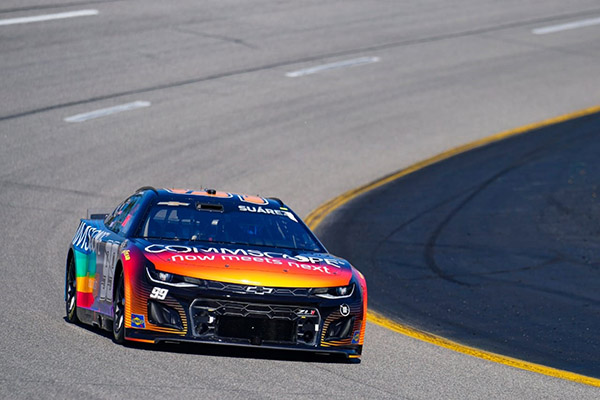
287	319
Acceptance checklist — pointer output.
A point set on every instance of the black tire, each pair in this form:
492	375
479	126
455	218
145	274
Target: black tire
119	307
71	293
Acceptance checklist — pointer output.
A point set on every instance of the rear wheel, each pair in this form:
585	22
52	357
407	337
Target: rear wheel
119	305
71	295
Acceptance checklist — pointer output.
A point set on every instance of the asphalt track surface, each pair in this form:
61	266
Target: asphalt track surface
224	114
495	248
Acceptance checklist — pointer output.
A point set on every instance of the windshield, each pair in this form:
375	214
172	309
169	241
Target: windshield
247	225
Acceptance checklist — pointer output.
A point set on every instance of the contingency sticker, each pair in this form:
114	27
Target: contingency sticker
264	210
138	321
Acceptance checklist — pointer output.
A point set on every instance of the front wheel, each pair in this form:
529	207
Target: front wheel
119	305
71	295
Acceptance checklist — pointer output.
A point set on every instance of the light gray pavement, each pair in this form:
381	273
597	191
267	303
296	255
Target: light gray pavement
224	115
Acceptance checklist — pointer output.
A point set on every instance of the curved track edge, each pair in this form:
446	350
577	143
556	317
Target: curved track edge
319	214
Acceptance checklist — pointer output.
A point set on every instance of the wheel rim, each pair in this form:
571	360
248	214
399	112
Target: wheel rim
119	307
71	289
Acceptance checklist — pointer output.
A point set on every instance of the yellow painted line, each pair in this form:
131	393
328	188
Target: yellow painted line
316	217
380	320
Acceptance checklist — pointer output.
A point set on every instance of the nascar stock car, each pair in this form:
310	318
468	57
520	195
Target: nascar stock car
213	267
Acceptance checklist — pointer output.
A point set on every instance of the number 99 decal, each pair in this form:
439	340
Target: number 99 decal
159	293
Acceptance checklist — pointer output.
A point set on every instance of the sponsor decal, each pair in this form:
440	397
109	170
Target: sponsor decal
126	255
222	195
259	290
138	321
345	310
192	257
310	267
273	261
104	253
253	199
87	238
304	311
172	203
160	248
193	253
356	337
270	211
178	191
126	221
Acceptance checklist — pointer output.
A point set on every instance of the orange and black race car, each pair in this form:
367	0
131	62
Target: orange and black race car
213	267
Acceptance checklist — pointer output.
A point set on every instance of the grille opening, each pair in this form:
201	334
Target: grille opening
202	322
307	329
256	330
159	314
340	329
255	322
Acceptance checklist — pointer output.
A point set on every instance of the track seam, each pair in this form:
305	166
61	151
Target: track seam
314	219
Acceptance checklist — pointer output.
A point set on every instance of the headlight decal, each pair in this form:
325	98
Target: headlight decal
165	278
338	292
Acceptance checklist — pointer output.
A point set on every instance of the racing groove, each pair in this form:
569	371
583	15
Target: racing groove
495	248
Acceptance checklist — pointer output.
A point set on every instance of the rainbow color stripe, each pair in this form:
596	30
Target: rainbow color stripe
85	273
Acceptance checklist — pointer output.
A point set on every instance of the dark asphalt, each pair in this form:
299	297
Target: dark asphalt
496	248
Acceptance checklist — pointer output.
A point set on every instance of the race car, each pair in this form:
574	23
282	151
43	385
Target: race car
213	267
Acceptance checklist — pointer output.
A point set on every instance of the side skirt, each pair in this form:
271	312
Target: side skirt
93	318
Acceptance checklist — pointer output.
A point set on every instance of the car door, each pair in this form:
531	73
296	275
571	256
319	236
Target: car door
108	251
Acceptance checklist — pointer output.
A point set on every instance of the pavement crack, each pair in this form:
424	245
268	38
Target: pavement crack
45	188
301	60
223	38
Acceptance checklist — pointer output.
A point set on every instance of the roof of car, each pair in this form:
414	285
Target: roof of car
215	195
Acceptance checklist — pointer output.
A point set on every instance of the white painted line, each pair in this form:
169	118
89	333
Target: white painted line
340	64
107	111
48	17
564	27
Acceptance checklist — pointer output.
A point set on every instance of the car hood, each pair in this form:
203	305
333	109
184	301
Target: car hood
259	266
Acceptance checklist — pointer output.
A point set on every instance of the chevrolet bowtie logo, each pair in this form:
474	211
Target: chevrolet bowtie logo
259	290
